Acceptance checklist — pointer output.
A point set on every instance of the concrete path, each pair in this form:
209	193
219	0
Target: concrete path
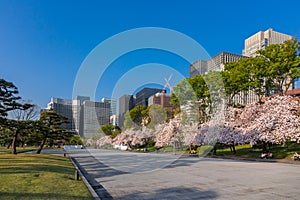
126	175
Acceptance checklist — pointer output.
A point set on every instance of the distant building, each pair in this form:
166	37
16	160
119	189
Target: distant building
261	40
243	98
143	95
216	63
84	116
113	105
254	43
126	102
93	115
198	67
161	98
190	111
113	120
69	109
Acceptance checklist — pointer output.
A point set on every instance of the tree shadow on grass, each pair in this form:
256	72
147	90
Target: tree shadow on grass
28	168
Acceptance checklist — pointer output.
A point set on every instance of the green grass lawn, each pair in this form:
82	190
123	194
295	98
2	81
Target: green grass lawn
33	176
4	150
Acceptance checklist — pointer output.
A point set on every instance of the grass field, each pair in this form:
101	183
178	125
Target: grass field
32	176
4	150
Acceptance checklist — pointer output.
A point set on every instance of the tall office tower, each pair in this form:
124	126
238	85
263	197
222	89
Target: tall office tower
198	67
216	63
261	40
84	116
126	102
77	105
113	105
81	99
143	95
64	107
92	116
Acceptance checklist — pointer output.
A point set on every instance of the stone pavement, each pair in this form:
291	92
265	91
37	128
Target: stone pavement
127	175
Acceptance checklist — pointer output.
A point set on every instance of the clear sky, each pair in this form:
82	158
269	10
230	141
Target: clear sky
43	43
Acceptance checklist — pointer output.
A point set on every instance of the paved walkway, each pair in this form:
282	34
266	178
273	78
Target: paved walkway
126	175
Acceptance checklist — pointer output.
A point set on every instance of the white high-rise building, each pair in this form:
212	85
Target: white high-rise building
262	39
84	116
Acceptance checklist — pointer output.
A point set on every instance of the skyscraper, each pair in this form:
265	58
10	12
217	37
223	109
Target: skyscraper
262	39
69	109
126	102
92	116
143	95
113	105
84	116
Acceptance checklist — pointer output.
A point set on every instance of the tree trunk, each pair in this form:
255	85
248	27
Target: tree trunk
9	144
42	145
14	143
233	148
215	151
22	143
51	142
264	147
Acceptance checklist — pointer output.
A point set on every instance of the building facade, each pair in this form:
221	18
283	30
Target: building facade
93	115
261	40
84	116
113	105
69	109
198	67
216	63
143	95
161	98
126	103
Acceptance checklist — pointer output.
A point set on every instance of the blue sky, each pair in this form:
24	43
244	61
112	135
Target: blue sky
43	43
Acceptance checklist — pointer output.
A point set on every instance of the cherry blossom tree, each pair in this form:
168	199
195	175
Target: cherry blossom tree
106	140
166	132
277	122
90	142
273	121
135	137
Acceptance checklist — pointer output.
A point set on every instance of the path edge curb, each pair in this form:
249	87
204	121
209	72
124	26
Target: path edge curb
87	184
